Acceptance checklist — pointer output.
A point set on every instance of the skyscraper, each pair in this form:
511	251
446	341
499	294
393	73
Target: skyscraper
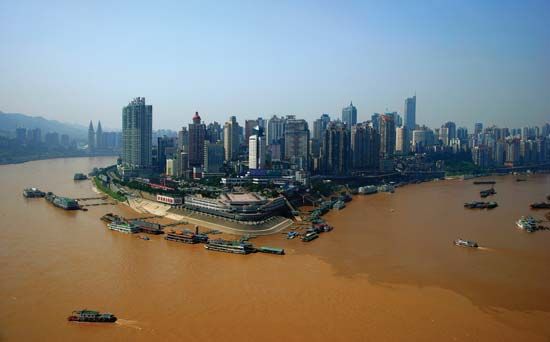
319	126
296	149
183	140
231	138
249	126
402	141
410	112
91	137
275	129
137	132
213	157
197	133
99	137
256	149
335	149
387	136
349	115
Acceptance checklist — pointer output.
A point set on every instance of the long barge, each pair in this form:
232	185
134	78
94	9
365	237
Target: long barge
235	247
62	202
91	316
480	205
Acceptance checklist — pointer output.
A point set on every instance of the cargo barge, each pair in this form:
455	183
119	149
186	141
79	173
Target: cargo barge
271	250
480	205
186	237
33	193
236	247
62	202
485	182
91	316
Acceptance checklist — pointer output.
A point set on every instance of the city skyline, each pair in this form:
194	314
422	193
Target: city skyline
466	62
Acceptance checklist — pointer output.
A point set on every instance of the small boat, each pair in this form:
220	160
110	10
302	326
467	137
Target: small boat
529	224
540	205
310	236
33	193
80	176
91	316
143	237
485	182
291	235
466	243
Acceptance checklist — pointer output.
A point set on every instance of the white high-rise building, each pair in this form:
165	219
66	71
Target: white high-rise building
256	149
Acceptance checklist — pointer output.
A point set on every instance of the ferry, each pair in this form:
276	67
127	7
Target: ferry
62	202
236	247
529	224
310	236
466	243
123	227
33	193
91	316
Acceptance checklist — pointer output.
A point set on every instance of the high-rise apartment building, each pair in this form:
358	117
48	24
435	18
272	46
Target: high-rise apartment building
296	143
335	149
137	132
387	136
365	147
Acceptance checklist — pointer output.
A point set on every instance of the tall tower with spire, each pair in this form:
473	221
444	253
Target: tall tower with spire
91	137
349	115
99	136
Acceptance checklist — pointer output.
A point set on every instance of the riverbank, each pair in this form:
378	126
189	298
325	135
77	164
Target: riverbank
26	159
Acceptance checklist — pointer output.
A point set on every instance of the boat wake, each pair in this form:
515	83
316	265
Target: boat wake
485	249
128	323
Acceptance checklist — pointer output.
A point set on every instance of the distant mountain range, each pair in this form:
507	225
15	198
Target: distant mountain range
10	121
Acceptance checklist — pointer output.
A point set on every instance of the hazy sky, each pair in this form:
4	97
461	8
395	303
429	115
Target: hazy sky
466	60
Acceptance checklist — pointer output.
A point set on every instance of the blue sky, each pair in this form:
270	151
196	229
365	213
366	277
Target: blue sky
467	61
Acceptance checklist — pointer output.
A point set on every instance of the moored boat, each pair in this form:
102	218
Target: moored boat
123	227
540	205
310	236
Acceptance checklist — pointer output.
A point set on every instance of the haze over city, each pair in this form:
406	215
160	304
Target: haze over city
466	61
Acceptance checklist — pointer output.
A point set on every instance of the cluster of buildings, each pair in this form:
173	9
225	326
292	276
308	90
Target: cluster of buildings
34	138
99	141
284	147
